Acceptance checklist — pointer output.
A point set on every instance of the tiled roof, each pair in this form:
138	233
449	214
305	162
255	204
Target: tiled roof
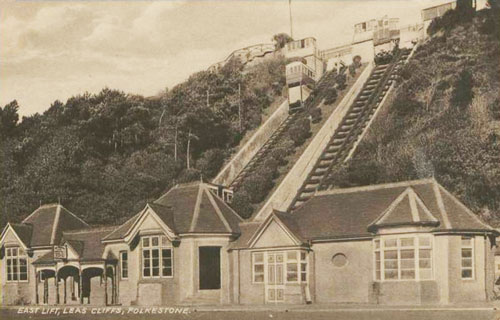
197	210
23	231
247	229
49	221
47	258
407	209
346	213
88	242
188	208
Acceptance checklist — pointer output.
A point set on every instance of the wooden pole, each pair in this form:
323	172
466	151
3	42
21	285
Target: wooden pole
37	278
57	287
46	290
80	292
105	285
65	301
239	106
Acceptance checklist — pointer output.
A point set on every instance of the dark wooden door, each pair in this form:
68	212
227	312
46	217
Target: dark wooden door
209	268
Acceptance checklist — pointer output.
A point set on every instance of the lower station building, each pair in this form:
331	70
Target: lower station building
402	243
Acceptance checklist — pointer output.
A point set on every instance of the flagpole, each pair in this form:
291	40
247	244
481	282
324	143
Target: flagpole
291	22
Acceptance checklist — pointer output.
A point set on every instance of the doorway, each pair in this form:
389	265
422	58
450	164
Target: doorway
275	286
209	268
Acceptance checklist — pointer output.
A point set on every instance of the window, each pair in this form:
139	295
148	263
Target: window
17	264
291	266
296	266
124	264
156	257
258	267
467	258
403	258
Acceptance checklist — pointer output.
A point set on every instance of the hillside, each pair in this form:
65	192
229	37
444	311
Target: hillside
103	155
443	119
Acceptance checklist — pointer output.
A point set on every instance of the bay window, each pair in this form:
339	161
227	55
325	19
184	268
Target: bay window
403	258
291	265
17	264
157	258
258	267
467	258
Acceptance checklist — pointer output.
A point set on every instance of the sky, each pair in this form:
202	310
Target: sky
52	50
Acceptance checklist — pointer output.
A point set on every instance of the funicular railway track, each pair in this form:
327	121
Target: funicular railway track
351	127
279	133
263	151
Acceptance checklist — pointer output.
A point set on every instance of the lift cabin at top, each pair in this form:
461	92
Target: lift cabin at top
302	73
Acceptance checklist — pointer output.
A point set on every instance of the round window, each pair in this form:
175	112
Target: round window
339	260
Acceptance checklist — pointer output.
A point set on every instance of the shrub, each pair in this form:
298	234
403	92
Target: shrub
315	114
357	61
352	70
270	167
341	80
241	204
462	93
300	131
257	185
210	162
494	109
287	145
279	153
330	95
189	175
383	57
404	106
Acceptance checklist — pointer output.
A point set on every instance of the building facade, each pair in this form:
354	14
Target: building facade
402	243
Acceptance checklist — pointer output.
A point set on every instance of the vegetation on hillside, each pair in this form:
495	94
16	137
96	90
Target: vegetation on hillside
443	120
103	155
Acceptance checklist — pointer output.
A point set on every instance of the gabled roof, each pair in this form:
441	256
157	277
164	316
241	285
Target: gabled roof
407	209
23	231
187	208
87	242
358	212
197	210
48	222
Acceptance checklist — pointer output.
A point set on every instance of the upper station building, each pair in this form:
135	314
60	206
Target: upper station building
403	243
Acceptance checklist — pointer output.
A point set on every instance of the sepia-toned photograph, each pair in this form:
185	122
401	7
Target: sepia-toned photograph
250	159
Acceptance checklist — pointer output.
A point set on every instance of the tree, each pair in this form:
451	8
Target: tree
9	118
281	39
462	94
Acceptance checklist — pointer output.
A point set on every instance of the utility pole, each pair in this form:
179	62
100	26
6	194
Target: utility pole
291	21
239	106
208	99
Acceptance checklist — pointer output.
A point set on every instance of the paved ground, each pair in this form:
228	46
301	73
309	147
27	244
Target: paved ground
293	313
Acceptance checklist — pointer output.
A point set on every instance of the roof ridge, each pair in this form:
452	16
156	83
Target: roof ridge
467	210
55	224
371	187
91	229
218	212
440	203
135	216
196	213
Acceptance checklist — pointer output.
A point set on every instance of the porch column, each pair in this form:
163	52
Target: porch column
105	272
56	278
73	298
37	278
80	293
115	282
65	290
45	290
